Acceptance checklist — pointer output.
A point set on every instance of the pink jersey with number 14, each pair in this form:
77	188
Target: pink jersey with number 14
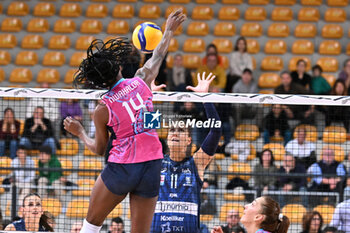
126	102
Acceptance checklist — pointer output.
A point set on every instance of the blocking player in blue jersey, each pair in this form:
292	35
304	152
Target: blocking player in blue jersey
178	204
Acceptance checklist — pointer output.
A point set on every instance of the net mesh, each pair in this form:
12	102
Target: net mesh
305	168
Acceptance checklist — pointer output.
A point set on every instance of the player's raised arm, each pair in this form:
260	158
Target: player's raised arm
204	155
151	68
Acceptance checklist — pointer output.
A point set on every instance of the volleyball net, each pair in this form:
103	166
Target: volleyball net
293	148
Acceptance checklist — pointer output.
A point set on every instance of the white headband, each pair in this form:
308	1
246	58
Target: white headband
280	217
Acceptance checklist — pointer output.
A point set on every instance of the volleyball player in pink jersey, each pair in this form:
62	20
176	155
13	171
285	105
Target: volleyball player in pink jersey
134	161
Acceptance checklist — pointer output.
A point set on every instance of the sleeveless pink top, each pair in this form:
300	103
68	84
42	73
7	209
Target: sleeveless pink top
126	102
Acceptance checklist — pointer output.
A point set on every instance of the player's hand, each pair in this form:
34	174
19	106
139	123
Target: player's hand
73	126
175	19
154	87
203	83
217	229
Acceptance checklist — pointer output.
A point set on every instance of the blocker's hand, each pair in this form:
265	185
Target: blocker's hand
155	87
73	126
217	229
203	83
175	19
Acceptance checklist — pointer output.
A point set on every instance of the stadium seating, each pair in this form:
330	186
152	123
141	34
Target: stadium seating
5	57
232	1
330	47
303	47
326	212
194	45
309	14
294	212
38	25
332	31
278	30
239	167
69	147
59	42
202	13
64	26
338	151
229	13
191	61
253	46
275	47
84	187
174	45
18	9
277	150
26	58
255	14
224	29
334	134
197	29
149	12
223	45
90	164
77	58
328	64
21	75
11	25
335	15
284	2
251	30
68	77
44	9
5	162
8	41
330	79
123	11
83	42
311	132
116	212
272	63
54	59
234	197
30	42
2	190
91	26
337	2
282	14
77	208
225	208
118	27
66	163
53	205
70	10
306	30
48	75
206	217
293	63
247	132
97	11
225	62
251	156
269	80
311	2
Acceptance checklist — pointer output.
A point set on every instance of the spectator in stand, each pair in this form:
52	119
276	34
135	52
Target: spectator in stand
300	76
298	112
319	85
287	183
327	166
312	222
38	132
266	166
276	124
212	49
117	225
49	104
344	75
9	132
338	113
301	149
210	184
245	85
23	178
70	108
213	67
76	227
329	229
239	60
341	216
178	77
50	178
232	221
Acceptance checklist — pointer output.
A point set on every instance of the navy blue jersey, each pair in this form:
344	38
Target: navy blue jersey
178	204
21	226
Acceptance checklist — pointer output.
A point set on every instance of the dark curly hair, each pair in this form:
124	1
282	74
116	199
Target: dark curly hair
101	67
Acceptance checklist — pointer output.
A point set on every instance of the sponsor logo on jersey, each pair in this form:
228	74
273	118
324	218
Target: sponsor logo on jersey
188	181
162	179
186	171
173	195
177	207
173	218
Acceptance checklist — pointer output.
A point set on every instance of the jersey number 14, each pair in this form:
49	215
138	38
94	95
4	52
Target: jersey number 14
134	106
